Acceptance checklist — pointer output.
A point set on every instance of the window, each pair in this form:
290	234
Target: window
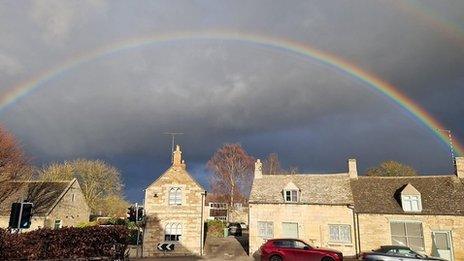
173	232
407	234
58	224
411	203
175	196
265	229
73	197
340	233
290	244
291	195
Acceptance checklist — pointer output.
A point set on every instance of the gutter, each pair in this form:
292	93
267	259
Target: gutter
202	223
357	240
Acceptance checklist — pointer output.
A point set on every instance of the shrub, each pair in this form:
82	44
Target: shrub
66	242
215	228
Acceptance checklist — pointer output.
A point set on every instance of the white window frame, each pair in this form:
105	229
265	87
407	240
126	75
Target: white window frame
266	229
407	202
406	236
340	240
175	196
173	232
293	195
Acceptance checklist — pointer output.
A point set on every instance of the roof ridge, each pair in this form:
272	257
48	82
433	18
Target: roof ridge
306	175
42	181
408	177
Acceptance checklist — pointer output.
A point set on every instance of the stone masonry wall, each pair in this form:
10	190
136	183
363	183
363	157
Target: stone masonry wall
375	230
159	213
71	210
313	223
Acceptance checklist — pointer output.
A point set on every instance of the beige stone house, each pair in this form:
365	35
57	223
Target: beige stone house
355	214
56	204
425	213
314	207
174	209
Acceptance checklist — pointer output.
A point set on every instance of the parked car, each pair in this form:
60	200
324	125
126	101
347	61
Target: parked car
296	250
235	229
394	253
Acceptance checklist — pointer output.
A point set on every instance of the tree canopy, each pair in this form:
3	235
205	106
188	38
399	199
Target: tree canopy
391	169
14	165
99	181
232	170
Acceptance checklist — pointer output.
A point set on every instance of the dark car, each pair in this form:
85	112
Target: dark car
390	253
296	250
235	229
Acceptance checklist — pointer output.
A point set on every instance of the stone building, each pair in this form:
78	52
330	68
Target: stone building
355	214
314	207
174	209
56	204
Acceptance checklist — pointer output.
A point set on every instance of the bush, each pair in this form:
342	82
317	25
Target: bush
215	228
66	242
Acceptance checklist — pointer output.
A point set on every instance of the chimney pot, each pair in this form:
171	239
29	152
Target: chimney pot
459	164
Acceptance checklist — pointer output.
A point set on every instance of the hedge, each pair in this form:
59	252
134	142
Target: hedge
69	242
215	228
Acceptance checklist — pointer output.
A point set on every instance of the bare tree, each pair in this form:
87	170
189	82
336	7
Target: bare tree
14	165
97	179
232	170
271	165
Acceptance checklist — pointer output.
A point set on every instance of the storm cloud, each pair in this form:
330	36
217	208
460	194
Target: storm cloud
118	106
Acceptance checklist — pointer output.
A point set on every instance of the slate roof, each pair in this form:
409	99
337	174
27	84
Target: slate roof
44	195
320	189
440	195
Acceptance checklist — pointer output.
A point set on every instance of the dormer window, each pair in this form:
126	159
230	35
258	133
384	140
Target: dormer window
291	195
411	199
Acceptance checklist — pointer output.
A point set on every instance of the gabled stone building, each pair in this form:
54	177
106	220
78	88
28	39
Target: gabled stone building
174	209
56	204
356	214
314	207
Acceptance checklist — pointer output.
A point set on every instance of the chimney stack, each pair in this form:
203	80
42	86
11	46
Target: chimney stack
258	169
177	158
352	169
459	164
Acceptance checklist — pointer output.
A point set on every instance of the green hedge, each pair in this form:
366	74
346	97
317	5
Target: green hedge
215	228
69	243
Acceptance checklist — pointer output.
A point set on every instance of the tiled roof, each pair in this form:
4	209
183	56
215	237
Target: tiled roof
42	194
326	189
442	195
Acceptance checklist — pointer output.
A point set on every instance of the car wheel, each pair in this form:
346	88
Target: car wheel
275	258
327	259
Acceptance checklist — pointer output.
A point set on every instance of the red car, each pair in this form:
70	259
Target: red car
296	250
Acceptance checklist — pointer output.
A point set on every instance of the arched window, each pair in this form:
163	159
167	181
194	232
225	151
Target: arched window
173	232
175	196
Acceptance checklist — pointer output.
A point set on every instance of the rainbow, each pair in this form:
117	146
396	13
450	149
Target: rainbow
23	89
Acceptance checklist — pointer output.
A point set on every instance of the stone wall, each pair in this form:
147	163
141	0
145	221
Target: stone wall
313	223
71	210
375	230
190	214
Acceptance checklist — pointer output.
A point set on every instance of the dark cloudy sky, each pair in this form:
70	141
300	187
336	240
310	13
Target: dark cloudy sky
116	108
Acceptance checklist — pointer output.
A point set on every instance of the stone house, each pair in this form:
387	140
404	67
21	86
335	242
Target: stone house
425	213
353	214
56	204
314	207
174	210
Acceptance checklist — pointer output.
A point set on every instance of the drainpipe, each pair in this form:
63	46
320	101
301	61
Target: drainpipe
356	230
202	225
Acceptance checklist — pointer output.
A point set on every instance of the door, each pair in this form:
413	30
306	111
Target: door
289	230
442	244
